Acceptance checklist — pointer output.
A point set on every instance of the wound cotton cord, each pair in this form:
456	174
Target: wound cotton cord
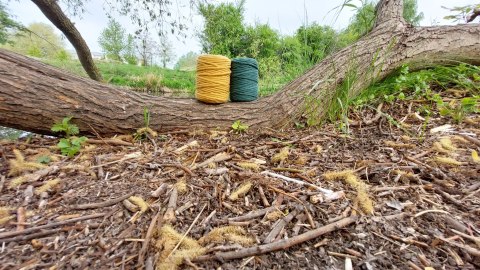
213	79
244	80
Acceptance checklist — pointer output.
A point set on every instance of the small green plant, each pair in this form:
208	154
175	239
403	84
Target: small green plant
70	145
457	109
239	127
143	132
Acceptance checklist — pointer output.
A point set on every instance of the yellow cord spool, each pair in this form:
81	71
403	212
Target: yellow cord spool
213	79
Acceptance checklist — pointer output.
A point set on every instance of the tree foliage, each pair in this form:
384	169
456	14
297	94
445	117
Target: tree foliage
364	18
113	40
187	61
165	51
38	40
129	51
146	48
466	13
260	41
224	28
317	41
6	24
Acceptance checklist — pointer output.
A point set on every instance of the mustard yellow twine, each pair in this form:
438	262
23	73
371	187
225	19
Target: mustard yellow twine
213	79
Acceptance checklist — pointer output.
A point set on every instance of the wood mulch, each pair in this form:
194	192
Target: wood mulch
268	191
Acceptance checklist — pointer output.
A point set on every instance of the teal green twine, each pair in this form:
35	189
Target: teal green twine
244	80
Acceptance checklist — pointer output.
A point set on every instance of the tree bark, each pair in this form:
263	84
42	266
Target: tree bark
55	14
33	95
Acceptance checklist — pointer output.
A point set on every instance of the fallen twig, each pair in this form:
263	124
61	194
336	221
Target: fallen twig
217	158
148	237
470	250
279	245
102	204
263	197
47	226
279	227
109	142
180	166
257	213
430	211
169	215
470	139
328	193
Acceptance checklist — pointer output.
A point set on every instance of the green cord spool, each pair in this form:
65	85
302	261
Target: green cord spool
244	80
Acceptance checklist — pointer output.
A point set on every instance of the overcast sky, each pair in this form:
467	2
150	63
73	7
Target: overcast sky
284	15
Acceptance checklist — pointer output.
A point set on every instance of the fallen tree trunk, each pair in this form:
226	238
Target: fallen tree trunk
33	95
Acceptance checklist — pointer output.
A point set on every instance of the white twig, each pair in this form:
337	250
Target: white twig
288	179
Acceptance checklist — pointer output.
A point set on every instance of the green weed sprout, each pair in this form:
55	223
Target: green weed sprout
70	145
239	127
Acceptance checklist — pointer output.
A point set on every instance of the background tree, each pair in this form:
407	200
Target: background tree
6	24
224	29
260	41
146	48
158	13
113	40
187	62
317	41
364	18
52	10
38	40
165	51
129	51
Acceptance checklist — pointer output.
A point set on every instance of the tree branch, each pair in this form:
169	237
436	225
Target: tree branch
388	10
55	14
473	15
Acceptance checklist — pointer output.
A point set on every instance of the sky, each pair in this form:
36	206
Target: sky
283	15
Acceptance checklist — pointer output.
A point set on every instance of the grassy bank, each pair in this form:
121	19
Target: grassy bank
150	79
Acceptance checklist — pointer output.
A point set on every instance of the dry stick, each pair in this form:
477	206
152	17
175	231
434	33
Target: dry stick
410	241
263	197
30	236
102	204
47	226
288	179
470	139
100	173
455	224
413	266
208	218
448	197
2	182
470	250
109	142
469	237
217	158
430	211
188	230
280	245
180	166
279	227
148	237
257	213
169	215
336	254
288	170
21	218
434	170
